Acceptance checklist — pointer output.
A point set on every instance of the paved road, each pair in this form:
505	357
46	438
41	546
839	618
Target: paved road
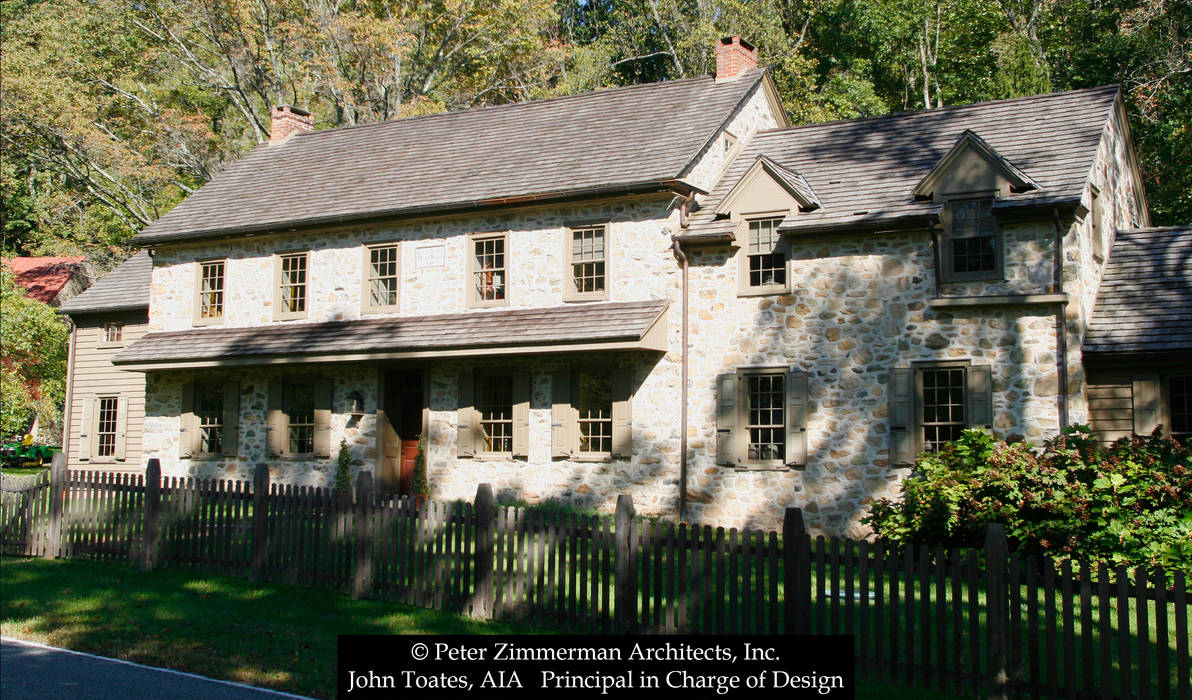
33	671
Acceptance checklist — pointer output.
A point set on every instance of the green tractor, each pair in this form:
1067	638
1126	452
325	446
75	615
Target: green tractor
23	453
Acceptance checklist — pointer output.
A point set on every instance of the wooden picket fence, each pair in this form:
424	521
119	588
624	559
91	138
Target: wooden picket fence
969	622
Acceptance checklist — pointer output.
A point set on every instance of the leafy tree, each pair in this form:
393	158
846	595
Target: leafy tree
32	359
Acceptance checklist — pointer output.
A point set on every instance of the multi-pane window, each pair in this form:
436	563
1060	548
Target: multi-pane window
1179	397
973	238
494	403
105	431
765	417
382	276
767	262
488	269
299	401
209	417
292	283
211	290
113	333
942	417
589	253
594	409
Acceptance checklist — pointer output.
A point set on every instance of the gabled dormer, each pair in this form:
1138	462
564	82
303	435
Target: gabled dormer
972	165
770	187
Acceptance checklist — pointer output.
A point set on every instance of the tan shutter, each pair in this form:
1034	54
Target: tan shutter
121	426
560	414
277	424
726	419
796	418
1146	404
980	397
466	421
902	424
521	414
622	386
322	436
231	419
188	432
86	431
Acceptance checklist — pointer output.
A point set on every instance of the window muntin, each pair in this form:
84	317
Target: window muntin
494	404
765	417
113	333
972	239
383	276
942	412
589	255
298	398
292	284
209	417
766	262
105	431
488	269
1179	401
211	290
594	412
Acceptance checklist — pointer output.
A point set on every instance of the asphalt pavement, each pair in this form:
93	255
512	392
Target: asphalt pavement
35	671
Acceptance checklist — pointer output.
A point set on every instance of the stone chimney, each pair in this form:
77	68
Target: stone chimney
734	56
287	120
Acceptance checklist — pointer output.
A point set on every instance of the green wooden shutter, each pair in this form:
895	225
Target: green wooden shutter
466	422
322	436
121	426
622	387
86	431
278	423
188	432
1146	404
560	414
980	397
521	414
902	424
796	418
726	418
231	419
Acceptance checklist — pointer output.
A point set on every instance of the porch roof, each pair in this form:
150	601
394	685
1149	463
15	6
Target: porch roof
602	326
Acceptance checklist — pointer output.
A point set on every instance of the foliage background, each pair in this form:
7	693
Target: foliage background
33	369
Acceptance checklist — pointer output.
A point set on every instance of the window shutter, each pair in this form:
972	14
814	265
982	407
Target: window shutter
796	418
231	419
322	436
1146	404
521	414
188	437
622	386
560	414
466	419
902	438
980	397
277	421
121	426
726	419
86	431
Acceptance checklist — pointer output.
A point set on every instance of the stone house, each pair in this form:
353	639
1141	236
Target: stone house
663	290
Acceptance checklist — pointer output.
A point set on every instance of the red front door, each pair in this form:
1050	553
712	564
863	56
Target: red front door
401	429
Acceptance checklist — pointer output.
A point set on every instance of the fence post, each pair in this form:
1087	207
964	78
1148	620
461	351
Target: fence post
797	580
484	511
152	513
625	599
260	520
996	593
57	495
362	580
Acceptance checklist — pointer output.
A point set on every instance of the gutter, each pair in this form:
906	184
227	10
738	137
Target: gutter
1061	320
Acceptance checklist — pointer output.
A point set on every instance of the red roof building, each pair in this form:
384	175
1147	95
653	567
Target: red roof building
51	280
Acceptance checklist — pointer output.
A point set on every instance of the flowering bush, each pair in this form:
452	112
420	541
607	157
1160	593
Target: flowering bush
1130	503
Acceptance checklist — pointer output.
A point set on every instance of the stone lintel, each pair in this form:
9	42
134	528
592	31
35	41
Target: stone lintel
998	300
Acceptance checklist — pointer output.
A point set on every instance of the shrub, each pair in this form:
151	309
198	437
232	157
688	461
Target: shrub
343	468
420	486
1130	503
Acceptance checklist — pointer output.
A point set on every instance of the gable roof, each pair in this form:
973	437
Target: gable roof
1144	303
970	140
794	183
45	277
864	171
125	288
611	141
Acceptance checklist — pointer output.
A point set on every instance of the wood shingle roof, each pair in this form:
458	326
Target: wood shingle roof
124	289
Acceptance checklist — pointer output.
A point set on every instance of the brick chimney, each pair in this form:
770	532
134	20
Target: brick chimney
287	120
734	56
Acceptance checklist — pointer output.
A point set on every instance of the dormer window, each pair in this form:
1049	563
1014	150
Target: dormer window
971	247
763	257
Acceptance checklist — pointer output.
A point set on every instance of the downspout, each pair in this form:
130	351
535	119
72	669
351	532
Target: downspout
935	253
66	409
681	257
1061	320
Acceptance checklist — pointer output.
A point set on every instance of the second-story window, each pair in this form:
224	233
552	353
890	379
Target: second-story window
291	285
763	267
382	276
489	269
587	262
971	246
211	291
113	333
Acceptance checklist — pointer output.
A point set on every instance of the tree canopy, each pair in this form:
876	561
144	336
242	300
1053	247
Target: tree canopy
33	370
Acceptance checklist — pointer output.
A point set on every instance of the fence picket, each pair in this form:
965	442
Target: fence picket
1142	633
1162	665
1182	653
1086	629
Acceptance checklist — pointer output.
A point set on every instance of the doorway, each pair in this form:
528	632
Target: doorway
400	422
